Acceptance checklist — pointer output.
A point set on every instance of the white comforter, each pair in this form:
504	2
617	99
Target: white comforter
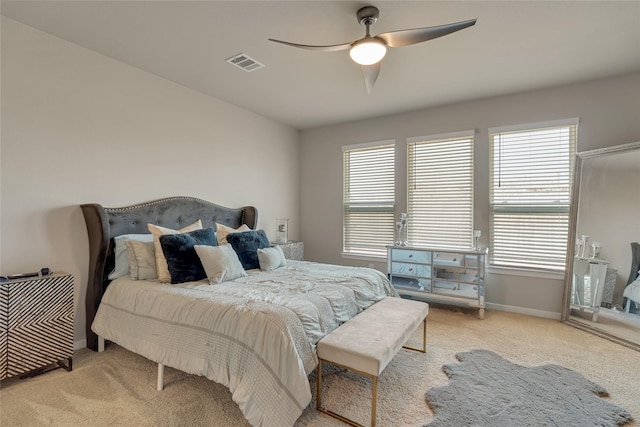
256	335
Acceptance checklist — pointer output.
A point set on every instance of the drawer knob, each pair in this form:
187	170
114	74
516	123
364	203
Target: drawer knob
411	269
410	255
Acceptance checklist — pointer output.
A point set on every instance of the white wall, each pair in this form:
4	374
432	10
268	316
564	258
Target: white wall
78	127
609	111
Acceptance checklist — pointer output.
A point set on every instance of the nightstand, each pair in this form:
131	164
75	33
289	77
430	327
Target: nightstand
36	324
292	250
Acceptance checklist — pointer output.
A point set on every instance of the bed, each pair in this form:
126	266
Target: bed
255	334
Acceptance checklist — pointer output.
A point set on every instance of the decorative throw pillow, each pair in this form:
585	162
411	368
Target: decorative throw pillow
271	258
221	263
142	259
182	259
222	231
122	261
246	245
161	261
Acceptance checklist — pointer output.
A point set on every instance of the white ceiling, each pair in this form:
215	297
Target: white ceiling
515	46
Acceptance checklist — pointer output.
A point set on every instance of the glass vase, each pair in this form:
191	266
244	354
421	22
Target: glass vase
282	230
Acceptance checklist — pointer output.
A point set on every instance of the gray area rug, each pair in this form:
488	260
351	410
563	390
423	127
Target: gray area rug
487	390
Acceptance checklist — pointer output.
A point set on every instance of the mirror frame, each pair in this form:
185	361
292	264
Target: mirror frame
571	238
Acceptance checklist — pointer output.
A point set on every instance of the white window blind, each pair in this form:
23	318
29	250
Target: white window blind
440	190
530	188
369	197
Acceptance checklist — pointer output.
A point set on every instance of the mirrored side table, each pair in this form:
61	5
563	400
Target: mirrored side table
589	276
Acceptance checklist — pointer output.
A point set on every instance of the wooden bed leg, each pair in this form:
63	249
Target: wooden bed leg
160	385
100	344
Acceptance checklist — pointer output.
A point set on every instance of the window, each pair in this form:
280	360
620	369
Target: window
440	190
369	189
530	188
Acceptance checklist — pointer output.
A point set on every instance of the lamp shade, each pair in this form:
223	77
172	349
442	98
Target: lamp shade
368	51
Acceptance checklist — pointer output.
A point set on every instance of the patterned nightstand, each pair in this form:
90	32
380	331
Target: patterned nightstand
36	324
292	250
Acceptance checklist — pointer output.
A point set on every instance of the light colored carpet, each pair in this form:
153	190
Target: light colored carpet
117	387
485	389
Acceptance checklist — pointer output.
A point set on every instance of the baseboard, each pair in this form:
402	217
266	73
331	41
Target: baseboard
77	345
523	310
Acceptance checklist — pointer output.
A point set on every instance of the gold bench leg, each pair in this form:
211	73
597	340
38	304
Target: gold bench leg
424	339
374	396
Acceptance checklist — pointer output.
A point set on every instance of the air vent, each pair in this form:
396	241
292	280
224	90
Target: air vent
244	62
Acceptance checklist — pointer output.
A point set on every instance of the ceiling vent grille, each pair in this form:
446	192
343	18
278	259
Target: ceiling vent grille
244	62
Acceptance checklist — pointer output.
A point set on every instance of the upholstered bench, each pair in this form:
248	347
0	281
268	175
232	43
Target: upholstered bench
367	343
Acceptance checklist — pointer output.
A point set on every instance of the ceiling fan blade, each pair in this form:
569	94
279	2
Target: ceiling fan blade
330	48
370	74
417	35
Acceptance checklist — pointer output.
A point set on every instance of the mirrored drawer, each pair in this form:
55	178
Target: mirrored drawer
411	269
412	283
410	255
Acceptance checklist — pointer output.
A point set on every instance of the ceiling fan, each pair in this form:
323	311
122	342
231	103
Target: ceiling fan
369	51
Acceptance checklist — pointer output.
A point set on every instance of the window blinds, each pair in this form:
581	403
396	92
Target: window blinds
440	190
530	188
369	198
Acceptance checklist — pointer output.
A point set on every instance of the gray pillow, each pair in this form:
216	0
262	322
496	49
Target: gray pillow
142	259
271	258
121	267
221	263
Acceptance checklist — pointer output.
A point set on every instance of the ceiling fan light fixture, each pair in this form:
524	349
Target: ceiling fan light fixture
368	51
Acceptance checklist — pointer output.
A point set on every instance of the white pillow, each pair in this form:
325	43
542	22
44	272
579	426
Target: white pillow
222	231
221	263
271	258
142	259
122	262
161	261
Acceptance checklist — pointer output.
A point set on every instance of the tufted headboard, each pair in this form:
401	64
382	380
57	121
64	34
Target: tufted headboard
103	224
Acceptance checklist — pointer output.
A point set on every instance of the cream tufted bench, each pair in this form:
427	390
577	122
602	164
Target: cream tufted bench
367	343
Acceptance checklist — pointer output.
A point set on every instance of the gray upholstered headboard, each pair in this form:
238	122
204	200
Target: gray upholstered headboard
103	224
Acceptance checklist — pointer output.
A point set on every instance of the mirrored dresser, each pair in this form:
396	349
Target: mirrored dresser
439	275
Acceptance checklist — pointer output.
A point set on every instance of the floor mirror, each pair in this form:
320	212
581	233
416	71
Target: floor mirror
602	284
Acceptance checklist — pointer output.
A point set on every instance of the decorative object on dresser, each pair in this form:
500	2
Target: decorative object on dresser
36	324
292	250
449	276
401	230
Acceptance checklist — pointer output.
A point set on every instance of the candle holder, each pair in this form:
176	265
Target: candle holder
401	231
595	250
585	239
476	236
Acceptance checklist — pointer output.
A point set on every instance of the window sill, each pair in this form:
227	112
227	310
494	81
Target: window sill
362	257
558	275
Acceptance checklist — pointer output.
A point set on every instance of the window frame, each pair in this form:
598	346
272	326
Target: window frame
555	266
464	228
385	208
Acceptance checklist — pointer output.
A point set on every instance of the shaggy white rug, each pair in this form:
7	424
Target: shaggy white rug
487	390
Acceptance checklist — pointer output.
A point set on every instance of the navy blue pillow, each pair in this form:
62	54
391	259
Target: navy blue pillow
182	259
246	245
